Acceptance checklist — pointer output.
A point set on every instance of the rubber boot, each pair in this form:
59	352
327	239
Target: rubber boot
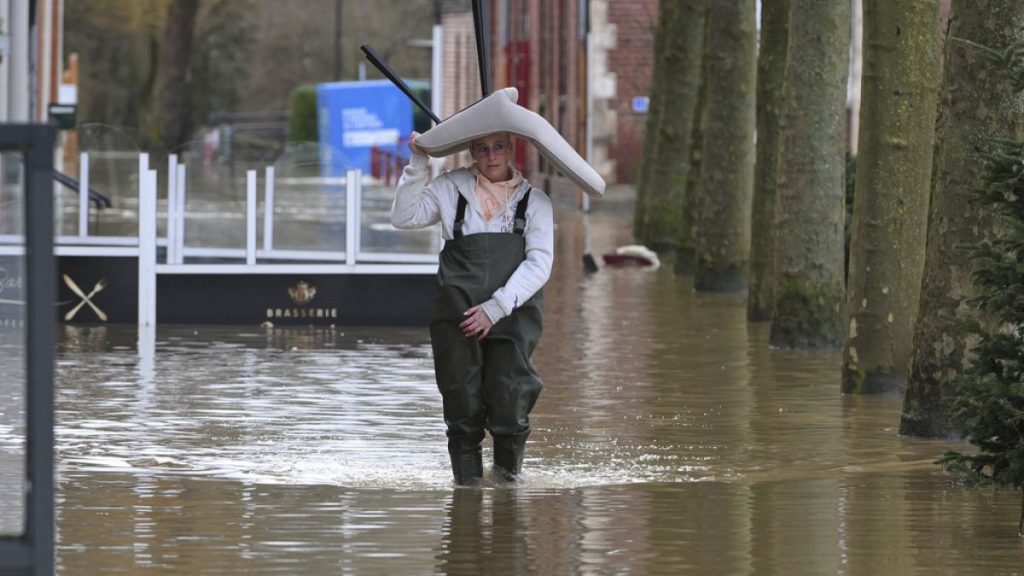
508	456
467	463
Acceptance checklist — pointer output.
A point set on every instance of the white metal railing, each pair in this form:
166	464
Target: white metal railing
352	253
174	241
263	259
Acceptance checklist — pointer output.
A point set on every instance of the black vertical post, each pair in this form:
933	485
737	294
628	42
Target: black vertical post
337	40
32	552
41	318
481	28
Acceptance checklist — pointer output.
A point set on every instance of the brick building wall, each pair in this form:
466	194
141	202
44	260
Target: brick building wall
536	46
459	67
629	57
541	48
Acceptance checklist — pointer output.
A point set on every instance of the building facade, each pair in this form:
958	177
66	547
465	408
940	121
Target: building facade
623	49
581	64
31	62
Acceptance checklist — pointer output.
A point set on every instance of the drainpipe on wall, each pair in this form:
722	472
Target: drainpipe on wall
16	83
588	126
5	55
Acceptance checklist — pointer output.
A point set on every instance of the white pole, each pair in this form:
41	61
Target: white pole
19	86
172	207
179	252
143	166
151	184
268	209
147	243
143	240
588	125
437	70
856	73
437	85
83	194
250	217
44	31
358	216
5	63
351	219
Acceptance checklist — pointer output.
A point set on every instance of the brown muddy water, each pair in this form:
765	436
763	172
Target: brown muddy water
669	439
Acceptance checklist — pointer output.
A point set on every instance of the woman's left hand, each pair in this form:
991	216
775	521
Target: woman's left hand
476	323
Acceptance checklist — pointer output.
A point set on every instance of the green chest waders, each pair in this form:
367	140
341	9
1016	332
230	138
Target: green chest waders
488	384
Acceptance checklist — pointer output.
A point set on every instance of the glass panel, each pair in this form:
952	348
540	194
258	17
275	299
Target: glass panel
113	172
12	208
12	346
309	209
214	189
378	236
309	206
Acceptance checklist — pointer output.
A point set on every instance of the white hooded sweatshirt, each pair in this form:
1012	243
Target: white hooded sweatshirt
421	202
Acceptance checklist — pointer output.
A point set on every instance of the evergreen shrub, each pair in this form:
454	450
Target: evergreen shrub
987	400
302	121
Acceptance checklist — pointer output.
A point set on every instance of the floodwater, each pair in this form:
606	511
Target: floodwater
669	439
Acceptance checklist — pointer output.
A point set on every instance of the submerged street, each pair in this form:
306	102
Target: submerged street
663	442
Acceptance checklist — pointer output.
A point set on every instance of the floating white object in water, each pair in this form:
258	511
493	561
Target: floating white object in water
633	255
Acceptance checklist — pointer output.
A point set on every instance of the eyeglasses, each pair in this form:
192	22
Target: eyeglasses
498	148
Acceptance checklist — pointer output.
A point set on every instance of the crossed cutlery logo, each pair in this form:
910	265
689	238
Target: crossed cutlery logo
86	298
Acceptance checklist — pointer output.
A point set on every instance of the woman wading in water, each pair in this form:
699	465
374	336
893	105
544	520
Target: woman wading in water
498	233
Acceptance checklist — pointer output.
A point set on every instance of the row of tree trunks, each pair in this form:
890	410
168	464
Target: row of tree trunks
898	293
722	208
679	53
890	209
978	103
771	71
810	198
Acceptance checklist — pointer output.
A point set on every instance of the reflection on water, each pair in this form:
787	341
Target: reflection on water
310	406
12	422
669	438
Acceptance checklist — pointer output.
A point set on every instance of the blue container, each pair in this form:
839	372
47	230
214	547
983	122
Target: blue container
360	123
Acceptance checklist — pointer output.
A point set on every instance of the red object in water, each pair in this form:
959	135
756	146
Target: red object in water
625	261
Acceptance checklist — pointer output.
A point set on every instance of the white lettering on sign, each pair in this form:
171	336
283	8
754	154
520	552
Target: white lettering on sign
366	138
363	129
359	119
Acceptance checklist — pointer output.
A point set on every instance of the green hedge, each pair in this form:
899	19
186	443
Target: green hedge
302	124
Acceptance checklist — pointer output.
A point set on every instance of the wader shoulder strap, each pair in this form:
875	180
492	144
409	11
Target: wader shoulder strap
520	223
460	216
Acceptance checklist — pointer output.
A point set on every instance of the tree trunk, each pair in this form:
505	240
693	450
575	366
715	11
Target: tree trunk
686	253
655	116
810	202
890	207
678	60
978	103
172	102
771	72
683	51
727	174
